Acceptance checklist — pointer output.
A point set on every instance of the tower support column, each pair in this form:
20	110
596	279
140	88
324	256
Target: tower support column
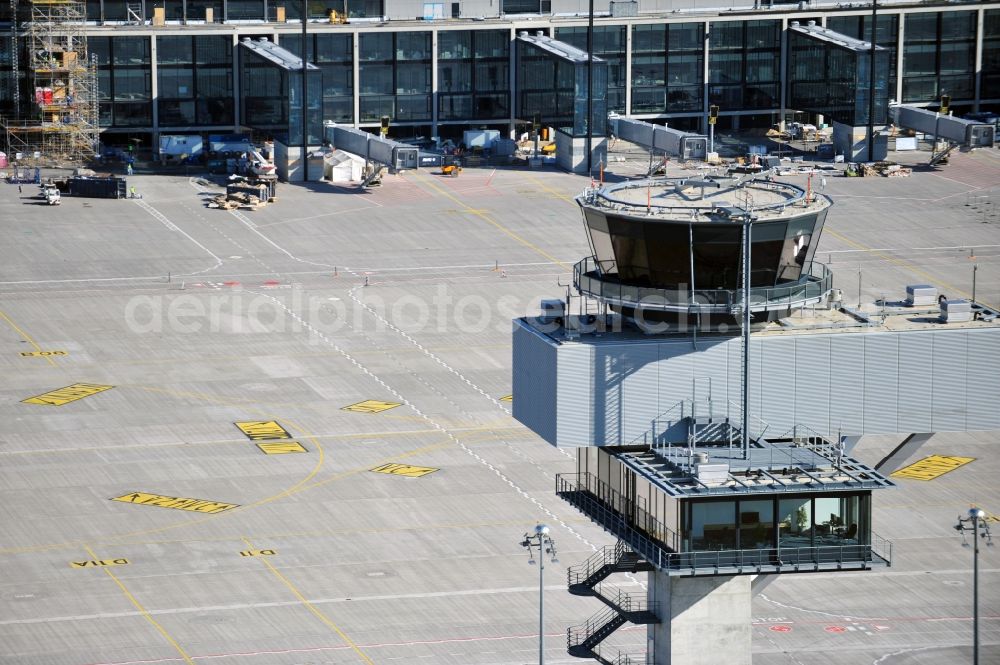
703	620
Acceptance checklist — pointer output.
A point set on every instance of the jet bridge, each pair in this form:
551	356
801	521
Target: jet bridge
965	133
657	138
374	148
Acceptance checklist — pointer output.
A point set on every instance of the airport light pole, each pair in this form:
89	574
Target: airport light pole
541	541
871	88
590	90
980	529
305	98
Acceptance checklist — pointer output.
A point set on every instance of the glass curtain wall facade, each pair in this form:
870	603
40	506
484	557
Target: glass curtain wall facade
886	36
272	103
555	89
609	45
194	80
744	65
473	75
230	10
835	81
667	77
334	55
939	55
395	77
991	55
667	68
769	522
124	80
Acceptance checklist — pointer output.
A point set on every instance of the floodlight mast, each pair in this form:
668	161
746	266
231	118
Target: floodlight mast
976	517
543	542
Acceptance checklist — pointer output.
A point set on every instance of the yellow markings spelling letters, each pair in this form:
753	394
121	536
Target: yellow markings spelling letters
371	406
99	563
404	470
177	503
282	447
68	394
42	354
263	430
258	553
931	467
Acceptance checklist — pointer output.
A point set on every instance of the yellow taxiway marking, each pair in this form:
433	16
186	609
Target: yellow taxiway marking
177	503
27	338
507	398
489	220
931	467
396	469
42	354
258	553
68	394
98	563
142	610
263	430
371	406
281	447
312	608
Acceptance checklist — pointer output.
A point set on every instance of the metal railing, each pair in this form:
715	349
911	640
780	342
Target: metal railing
876	552
607	556
611	509
815	283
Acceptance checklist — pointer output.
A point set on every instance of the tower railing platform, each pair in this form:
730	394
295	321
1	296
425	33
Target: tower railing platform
647	537
812	287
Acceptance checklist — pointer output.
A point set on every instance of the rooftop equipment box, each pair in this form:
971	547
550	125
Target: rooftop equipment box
921	295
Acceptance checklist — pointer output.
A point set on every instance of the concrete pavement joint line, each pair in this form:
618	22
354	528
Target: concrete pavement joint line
158	216
905	265
353	295
87	280
242	248
312	608
882	659
486	218
272	652
847	617
142	610
24	335
433	423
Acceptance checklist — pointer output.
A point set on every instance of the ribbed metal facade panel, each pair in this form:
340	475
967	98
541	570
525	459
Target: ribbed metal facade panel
847	376
852	383
533	381
675	371
915	400
881	384
777	377
579	413
640	404
983	380
812	382
949	380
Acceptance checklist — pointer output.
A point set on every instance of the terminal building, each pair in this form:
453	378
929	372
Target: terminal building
714	386
438	68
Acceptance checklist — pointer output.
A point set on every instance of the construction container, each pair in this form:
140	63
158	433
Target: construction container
98	188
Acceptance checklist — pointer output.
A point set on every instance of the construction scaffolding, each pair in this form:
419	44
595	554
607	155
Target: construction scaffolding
59	121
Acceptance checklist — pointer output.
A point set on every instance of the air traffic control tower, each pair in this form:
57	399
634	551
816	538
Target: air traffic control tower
714	384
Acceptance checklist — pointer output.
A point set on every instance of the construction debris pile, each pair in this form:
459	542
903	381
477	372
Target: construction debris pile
246	194
884	169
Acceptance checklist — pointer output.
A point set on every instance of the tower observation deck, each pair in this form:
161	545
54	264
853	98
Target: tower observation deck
720	456
668	248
